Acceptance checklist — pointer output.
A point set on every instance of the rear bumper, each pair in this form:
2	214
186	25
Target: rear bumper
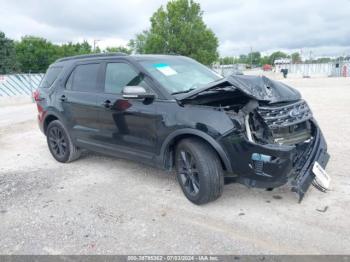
40	117
270	166
40	124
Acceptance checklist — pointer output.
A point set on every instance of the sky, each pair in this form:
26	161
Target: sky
313	27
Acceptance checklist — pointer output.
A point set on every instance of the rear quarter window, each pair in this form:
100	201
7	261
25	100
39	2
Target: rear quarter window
51	75
84	78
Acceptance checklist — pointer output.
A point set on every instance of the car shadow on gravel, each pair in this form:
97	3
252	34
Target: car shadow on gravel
232	192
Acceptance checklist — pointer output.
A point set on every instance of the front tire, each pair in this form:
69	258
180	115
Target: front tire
60	143
199	171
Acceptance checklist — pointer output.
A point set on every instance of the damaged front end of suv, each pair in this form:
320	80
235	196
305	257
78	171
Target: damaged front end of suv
275	139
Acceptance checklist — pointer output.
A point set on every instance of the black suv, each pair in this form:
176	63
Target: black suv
173	112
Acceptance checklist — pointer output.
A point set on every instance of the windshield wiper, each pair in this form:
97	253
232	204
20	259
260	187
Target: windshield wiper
184	91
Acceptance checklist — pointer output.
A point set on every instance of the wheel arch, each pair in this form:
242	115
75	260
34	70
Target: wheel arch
49	117
168	146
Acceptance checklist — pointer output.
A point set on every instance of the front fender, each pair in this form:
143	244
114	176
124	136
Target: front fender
172	137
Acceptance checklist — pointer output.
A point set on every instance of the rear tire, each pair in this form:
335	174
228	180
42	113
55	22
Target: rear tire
60	143
199	171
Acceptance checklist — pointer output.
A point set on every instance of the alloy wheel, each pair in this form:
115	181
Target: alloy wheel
188	172
57	141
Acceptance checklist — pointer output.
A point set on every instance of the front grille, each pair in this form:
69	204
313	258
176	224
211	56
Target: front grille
287	115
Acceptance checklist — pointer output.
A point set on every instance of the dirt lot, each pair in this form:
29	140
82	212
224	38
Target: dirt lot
104	205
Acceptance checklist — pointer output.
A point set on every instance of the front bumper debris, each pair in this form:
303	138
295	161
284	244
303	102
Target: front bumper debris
304	178
271	166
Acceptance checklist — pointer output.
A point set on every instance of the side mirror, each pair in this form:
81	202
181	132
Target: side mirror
136	92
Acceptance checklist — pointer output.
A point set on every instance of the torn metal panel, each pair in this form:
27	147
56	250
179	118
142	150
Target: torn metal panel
258	87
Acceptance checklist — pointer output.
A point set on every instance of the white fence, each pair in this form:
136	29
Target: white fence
25	84
19	84
325	69
301	70
226	70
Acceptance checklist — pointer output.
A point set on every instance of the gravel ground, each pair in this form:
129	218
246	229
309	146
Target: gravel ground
104	205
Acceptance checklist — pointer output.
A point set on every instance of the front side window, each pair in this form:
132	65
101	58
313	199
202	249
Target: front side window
50	76
179	74
84	78
119	75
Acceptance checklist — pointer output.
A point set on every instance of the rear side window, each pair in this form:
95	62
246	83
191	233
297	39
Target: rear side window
119	75
84	78
50	76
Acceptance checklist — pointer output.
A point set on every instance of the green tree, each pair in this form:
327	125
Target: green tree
97	50
178	29
227	60
68	49
296	57
138	44
71	49
118	49
83	48
254	58
323	60
35	54
243	59
7	55
277	55
265	60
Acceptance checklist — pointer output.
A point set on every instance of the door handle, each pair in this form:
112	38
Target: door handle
107	104
63	98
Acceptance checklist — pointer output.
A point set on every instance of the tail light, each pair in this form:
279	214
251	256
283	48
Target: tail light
36	96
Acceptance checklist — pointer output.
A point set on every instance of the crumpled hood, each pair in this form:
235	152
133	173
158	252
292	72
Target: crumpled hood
258	87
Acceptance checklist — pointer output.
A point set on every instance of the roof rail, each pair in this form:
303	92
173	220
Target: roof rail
91	56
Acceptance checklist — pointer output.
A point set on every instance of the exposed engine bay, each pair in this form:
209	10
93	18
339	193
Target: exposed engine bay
270	111
284	123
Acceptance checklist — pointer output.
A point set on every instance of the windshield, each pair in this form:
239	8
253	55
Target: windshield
179	74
